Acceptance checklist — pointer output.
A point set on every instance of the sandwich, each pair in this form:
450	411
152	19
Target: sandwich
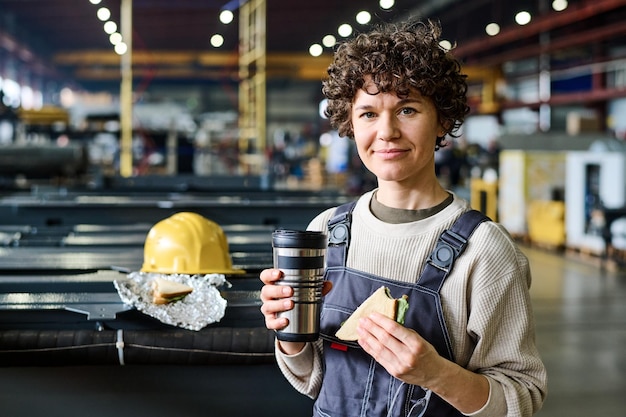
165	291
381	302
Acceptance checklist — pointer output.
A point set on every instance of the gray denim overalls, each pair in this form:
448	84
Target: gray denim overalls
355	385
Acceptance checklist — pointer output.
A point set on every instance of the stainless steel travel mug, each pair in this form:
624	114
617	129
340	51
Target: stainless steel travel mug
300	255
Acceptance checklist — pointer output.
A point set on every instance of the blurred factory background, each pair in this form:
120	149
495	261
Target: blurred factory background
114	114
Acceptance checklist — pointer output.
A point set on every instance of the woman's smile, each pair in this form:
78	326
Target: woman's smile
390	154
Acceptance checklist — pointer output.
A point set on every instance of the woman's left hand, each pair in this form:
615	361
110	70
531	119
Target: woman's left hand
401	351
409	357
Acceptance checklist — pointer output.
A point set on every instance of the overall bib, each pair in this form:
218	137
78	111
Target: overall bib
355	385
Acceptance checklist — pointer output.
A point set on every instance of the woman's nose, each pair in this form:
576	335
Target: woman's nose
388	128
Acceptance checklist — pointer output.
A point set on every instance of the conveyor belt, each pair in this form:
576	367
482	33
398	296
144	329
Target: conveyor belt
37	308
241	238
59	256
91	259
217	345
279	211
73	268
93	296
49	288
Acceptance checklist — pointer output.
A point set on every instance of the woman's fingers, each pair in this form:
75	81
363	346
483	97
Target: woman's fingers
271	310
275	299
403	352
270	275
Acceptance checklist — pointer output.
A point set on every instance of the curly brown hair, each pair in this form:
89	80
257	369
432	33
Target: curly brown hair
399	58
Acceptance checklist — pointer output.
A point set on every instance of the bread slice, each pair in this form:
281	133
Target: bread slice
381	302
165	291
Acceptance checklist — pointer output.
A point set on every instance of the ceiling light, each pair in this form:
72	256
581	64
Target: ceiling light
95	1
226	16
445	45
110	27
559	5
363	17
217	40
345	30
386	4
329	41
316	49
522	18
115	38
104	14
121	48
492	29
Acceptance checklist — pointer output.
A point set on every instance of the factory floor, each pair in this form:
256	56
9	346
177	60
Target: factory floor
580	313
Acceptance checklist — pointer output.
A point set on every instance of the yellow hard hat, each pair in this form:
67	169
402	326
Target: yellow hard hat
187	243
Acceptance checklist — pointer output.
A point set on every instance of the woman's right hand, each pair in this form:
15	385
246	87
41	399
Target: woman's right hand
275	299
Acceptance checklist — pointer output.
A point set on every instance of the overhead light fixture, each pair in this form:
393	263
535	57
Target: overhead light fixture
363	17
316	49
345	30
329	41
115	38
226	16
559	5
522	18
445	45
492	29
386	4
121	48
217	40
110	27
103	14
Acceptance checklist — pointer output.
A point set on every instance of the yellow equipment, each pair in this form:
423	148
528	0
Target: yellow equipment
546	223
187	243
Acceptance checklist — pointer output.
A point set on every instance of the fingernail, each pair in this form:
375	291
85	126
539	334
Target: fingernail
286	290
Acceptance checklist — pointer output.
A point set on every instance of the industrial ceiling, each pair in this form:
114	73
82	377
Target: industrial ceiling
171	38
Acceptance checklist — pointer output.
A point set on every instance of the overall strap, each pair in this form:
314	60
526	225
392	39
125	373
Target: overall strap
339	234
450	245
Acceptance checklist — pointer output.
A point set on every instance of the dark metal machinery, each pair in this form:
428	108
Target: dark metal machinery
61	251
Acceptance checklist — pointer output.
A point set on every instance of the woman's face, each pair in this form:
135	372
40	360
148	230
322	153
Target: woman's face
396	137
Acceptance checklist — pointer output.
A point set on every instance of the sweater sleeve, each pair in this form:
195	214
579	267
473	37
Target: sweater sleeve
304	369
502	325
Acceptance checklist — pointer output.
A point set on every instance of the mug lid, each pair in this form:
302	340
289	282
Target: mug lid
285	238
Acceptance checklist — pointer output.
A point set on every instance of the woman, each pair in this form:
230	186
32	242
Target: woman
469	347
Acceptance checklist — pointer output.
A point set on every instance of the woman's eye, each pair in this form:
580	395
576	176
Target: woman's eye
368	115
408	110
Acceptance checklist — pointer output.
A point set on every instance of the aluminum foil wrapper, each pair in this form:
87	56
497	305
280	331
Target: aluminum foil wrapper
203	306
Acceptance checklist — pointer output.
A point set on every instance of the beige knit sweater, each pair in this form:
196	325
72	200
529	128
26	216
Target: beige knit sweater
485	300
